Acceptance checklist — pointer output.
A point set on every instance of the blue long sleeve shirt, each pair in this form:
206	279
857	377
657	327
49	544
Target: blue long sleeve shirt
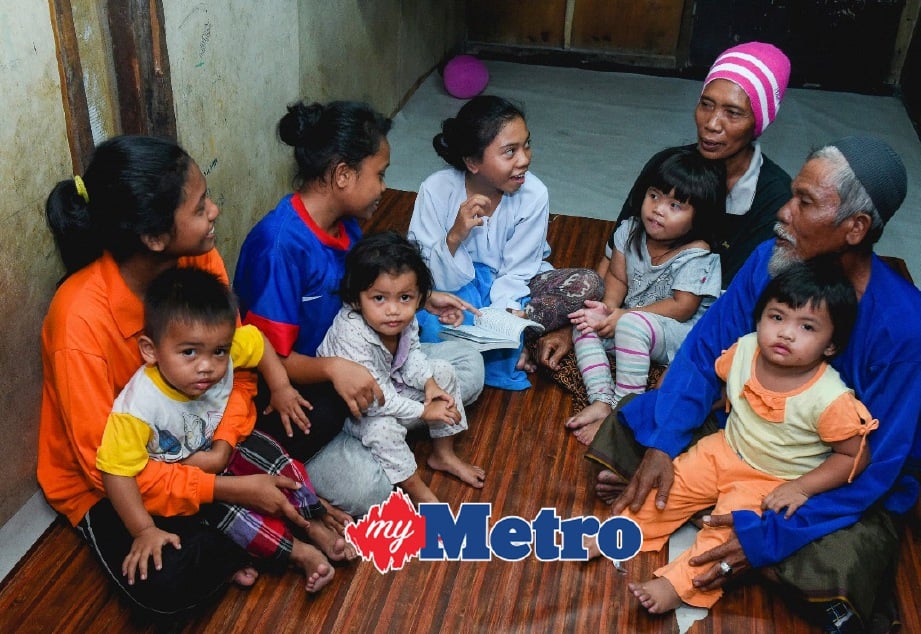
882	363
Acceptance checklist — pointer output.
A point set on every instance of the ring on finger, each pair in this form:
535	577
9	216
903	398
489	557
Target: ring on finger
725	569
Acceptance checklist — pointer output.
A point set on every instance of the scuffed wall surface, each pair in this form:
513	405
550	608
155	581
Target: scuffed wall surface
234	66
34	157
374	51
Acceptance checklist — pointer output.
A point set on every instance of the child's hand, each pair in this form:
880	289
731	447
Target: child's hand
148	543
590	318
289	404
439	411
789	495
605	328
434	392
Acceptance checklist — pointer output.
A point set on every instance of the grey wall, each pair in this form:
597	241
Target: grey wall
235	65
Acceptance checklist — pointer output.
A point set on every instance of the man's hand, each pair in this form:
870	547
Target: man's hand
655	472
731	553
552	347
354	383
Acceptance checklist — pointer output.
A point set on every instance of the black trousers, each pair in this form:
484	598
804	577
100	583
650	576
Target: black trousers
190	576
326	420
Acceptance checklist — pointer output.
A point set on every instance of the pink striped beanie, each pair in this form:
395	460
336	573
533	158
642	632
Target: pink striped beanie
762	71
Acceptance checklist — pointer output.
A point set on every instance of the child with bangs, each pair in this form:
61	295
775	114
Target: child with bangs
386	281
662	276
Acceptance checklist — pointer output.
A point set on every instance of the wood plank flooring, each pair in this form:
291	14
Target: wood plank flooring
531	463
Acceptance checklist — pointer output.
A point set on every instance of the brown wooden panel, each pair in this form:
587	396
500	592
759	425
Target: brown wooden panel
517	22
647	26
73	91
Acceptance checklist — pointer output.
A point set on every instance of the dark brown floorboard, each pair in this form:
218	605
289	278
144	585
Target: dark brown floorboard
531	463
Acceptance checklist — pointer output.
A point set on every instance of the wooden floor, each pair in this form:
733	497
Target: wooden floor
531	463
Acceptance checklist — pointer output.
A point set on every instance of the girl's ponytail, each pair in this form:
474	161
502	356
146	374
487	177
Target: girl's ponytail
68	216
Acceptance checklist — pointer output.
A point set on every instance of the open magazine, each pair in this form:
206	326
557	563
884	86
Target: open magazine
493	328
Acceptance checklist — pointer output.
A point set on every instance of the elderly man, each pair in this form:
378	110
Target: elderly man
842	198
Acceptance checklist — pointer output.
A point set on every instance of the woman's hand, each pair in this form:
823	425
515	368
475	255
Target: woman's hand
471	213
354	383
553	346
261	493
148	544
290	405
449	308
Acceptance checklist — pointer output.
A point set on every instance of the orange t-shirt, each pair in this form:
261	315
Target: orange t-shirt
89	352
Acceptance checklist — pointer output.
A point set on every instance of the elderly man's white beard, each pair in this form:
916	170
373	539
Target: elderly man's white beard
783	256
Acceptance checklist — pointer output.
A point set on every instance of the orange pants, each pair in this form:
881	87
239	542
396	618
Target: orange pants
709	473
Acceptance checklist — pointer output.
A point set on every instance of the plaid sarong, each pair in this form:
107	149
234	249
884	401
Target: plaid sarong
262	536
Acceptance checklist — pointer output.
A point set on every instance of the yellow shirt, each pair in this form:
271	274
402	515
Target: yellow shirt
786	434
151	419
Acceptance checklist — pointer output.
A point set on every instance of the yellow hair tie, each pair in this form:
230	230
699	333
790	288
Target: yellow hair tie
81	189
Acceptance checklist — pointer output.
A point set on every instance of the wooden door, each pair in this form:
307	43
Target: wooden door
650	27
517	22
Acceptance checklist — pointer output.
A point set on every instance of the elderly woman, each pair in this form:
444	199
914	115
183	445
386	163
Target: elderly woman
740	98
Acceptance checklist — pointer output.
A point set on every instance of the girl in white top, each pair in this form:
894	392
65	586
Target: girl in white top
482	225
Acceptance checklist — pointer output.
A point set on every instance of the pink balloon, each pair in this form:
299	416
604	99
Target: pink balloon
465	76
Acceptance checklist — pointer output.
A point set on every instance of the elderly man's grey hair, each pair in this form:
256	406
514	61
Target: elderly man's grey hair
853	195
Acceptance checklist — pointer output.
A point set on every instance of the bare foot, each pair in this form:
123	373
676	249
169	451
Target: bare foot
590	542
245	577
524	361
451	463
657	595
314	564
609	485
585	424
329	541
335	518
417	490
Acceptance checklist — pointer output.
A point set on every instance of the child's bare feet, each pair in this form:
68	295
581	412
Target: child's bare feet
657	595
330	542
524	361
245	577
590	542
417	490
314	564
585	424
451	463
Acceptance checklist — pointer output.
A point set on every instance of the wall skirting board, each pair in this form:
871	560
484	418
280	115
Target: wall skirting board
22	531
